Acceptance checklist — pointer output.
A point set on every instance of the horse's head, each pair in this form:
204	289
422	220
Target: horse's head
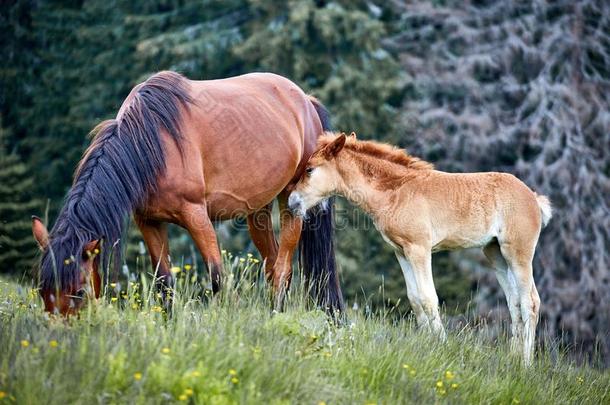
69	273
321	177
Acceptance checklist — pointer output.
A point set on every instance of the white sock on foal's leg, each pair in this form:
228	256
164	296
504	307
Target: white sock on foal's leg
529	305
508	284
417	269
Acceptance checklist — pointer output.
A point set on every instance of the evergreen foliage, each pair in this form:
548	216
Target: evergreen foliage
17	247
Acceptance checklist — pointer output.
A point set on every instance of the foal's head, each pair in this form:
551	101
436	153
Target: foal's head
321	177
67	281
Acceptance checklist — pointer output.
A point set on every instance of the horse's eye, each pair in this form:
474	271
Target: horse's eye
309	170
81	293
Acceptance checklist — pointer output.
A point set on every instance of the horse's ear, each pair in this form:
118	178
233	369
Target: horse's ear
333	148
91	249
40	232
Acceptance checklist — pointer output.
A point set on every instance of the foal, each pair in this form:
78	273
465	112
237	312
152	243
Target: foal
419	210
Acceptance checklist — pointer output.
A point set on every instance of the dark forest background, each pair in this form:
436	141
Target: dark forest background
511	86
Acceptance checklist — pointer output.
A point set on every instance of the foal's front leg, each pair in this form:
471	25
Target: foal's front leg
416	264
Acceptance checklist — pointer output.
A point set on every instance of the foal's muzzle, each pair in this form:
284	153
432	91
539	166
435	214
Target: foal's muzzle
296	205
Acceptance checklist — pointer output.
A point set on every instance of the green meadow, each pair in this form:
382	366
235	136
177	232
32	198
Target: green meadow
233	348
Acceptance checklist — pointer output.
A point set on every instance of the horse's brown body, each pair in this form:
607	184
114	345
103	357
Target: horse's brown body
229	148
246	139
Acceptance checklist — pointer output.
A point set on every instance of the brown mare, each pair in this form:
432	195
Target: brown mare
419	210
190	153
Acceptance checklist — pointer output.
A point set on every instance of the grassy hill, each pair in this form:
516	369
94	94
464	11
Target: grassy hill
233	349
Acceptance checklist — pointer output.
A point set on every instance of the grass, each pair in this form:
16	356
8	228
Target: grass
233	349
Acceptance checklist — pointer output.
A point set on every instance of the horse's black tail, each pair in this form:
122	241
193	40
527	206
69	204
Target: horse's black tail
317	246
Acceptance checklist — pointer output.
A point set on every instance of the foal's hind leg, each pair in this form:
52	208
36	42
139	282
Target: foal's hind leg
519	258
493	253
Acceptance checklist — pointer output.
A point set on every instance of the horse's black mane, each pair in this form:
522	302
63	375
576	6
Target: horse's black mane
118	170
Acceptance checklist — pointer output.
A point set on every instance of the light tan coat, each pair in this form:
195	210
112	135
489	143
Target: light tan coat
419	210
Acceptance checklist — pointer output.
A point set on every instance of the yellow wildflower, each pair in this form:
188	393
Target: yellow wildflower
67	261
53	343
187	267
113	299
183	397
321	403
189	391
255	261
176	269
137	376
406	366
157	308
195	374
165	350
2	394
449	375
234	380
96	251
439	384
112	285
241	260
580	380
232	372
134	306
25	343
412	373
454	385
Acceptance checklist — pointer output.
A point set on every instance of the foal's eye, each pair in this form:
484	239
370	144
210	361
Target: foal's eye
81	293
309	170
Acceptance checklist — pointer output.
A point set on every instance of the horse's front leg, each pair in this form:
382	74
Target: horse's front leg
290	233
155	236
195	218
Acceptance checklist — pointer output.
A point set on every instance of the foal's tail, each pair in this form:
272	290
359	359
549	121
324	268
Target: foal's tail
317	247
545	208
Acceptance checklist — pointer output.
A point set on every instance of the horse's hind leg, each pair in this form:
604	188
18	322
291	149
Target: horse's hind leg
493	253
519	257
290	233
261	232
194	217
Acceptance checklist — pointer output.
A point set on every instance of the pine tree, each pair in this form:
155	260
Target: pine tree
17	246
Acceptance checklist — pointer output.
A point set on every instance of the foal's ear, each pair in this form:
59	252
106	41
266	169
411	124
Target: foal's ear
333	148
40	232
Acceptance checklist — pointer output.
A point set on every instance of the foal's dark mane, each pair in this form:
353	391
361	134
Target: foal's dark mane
117	172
